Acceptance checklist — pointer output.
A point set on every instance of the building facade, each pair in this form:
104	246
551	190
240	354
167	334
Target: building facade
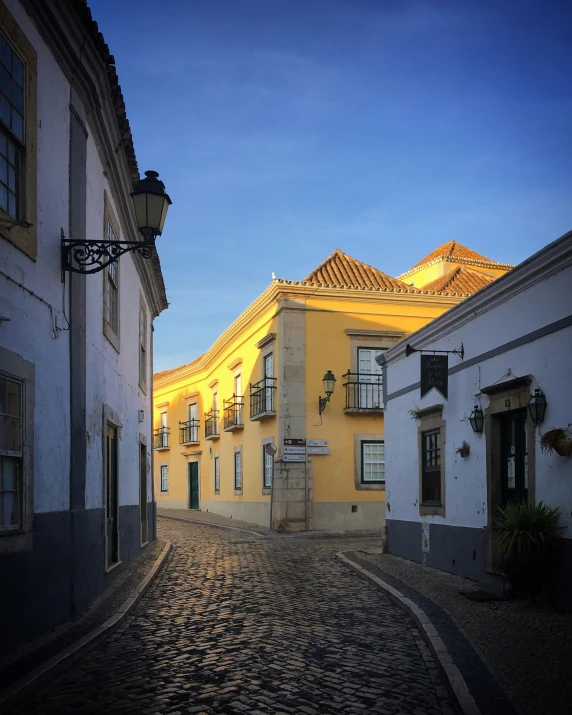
260	384
442	499
76	487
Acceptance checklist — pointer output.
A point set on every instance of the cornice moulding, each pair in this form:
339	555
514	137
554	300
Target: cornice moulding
374	333
212	383
191	395
234	364
162	404
266	340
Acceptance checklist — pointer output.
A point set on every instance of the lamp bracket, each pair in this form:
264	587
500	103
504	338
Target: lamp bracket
93	256
322	402
459	351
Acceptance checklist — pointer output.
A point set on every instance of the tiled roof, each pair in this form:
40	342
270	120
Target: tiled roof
339	269
456	253
459	281
166	373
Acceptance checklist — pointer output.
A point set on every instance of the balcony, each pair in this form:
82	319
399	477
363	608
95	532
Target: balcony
211	425
189	432
233	414
364	394
263	398
161	438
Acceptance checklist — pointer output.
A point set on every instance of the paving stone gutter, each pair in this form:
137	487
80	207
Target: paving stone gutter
513	659
30	666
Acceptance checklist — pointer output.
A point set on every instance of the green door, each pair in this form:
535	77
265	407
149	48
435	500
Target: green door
193	485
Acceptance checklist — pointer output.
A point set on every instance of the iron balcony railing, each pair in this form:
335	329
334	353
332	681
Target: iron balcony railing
211	424
189	431
363	392
233	412
262	397
161	438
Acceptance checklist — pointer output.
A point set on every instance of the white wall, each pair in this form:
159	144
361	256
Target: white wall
547	359
29	332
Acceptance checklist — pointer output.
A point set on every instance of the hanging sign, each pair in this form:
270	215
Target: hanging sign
435	373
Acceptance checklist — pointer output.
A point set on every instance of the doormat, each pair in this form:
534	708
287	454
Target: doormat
480	596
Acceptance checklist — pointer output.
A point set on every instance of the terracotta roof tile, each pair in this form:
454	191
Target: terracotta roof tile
456	253
460	281
166	373
340	269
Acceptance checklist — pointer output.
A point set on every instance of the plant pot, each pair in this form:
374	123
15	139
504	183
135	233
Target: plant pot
563	447
527	573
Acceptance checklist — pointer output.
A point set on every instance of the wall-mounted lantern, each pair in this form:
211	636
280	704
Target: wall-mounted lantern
151	204
537	406
477	420
329	383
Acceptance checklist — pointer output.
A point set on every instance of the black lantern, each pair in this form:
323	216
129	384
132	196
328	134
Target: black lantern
151	203
477	420
537	406
329	383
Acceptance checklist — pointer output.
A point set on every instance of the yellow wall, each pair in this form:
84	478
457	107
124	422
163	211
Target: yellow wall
430	273
328	348
250	437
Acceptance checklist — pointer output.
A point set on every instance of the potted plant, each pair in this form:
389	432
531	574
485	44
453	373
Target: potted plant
526	534
557	439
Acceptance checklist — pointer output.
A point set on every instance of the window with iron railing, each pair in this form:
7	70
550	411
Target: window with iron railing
233	412
211	424
363	392
189	431
161	438
262	397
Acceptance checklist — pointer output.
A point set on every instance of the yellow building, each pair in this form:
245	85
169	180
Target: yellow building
260	384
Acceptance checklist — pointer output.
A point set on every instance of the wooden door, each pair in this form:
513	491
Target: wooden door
143	492
193	485
111	499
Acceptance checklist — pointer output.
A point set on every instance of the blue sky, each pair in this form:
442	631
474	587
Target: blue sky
284	129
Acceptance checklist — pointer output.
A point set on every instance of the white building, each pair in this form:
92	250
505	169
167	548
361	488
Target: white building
76	499
517	337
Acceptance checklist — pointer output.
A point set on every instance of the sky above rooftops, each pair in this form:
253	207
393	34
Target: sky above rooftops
285	129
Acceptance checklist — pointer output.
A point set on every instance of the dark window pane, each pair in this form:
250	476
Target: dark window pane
12	205
2	395
17	97
432	487
10	509
13	398
5	81
17	70
12	179
5	53
3	149
3	198
18	124
3	170
9	467
3	432
12	153
4	110
13	441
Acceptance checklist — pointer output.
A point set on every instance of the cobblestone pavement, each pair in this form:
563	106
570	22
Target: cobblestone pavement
528	648
239	624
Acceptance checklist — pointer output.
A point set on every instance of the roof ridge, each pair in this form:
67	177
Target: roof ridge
353	273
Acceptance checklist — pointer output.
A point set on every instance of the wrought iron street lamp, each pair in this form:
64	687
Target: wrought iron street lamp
151	204
329	383
477	420
537	406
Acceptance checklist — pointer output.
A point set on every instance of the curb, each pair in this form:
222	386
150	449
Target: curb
455	681
68	655
214	526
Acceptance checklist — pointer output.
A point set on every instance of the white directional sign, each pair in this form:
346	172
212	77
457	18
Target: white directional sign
294	450
294	458
318	450
317	443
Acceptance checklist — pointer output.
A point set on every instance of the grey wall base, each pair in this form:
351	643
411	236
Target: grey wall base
457	549
63	573
338	516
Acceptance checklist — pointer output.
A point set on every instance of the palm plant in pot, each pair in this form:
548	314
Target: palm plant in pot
526	535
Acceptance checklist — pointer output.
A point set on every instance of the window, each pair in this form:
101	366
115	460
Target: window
112	315
12	135
11	453
269	382
238	470
373	462
142	346
163	431
431	467
111	297
369	378
217	473
268	468
193	426
164	477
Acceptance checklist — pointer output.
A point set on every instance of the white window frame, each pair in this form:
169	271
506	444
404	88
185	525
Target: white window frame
143	330
111	277
268	359
370	397
267	465
238	469
217	473
364	460
164	478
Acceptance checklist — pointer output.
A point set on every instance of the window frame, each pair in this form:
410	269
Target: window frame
17	369
143	341
13	454
165	466
111	332
22	233
265	458
363	443
238	453
216	469
430	419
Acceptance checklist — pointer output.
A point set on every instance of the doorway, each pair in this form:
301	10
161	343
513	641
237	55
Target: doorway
143	492
514	457
193	485
111	499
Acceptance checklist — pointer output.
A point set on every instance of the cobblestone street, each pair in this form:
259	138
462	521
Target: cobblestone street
256	625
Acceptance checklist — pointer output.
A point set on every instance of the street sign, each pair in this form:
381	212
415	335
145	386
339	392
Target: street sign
294	458
318	450
294	450
294	442
317	443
